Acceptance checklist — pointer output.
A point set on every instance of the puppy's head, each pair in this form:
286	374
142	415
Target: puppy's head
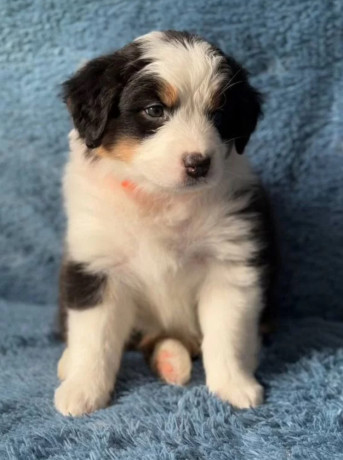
169	105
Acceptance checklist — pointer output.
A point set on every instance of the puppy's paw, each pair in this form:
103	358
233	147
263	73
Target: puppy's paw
242	392
172	362
62	366
74	397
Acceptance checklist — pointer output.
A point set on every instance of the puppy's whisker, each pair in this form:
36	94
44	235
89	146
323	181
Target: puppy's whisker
239	176
234	75
234	84
232	139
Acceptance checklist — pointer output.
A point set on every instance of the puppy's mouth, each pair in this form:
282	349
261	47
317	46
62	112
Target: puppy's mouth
189	184
186	186
201	182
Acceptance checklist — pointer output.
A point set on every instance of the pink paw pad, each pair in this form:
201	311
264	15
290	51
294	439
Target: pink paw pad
164	366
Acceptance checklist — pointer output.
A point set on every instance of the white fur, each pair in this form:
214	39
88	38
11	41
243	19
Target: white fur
191	68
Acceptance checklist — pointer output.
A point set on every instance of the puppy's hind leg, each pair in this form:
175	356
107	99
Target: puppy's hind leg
171	360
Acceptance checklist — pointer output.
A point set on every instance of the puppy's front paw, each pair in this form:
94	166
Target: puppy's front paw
242	392
74	397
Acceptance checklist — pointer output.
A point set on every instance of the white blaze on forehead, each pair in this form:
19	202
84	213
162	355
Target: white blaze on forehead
191	67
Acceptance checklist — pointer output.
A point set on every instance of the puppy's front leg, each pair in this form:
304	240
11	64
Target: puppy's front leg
96	337
229	309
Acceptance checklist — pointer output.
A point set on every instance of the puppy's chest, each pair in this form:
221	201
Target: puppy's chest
169	266
163	251
176	242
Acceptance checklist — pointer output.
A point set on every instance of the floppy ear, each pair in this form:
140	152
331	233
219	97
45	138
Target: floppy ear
91	94
242	107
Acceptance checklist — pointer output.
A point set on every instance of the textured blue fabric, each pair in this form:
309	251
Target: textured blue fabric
294	50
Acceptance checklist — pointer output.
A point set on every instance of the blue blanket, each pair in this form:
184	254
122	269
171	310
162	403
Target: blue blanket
294	51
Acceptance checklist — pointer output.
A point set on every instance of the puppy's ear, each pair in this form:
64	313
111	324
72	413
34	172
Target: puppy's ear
91	94
242	107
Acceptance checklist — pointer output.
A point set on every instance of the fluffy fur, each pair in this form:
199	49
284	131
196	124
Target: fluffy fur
177	251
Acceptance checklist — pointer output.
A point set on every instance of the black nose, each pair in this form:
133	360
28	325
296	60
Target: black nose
196	165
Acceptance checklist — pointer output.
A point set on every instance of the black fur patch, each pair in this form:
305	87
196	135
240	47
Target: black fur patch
92	95
138	94
80	289
267	258
240	106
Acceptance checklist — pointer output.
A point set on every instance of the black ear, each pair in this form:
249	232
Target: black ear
91	94
242	107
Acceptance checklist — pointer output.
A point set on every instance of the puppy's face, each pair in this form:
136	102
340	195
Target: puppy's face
169	105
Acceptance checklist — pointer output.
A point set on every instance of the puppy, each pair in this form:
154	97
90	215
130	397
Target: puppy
168	233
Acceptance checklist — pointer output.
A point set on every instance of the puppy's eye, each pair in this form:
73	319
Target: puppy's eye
155	111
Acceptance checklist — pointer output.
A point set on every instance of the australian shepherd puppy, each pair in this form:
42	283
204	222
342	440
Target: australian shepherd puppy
168	229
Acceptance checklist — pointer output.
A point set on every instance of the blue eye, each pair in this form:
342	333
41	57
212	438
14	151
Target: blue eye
155	111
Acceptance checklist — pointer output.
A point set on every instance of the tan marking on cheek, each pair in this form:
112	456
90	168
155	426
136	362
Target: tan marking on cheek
169	95
124	150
